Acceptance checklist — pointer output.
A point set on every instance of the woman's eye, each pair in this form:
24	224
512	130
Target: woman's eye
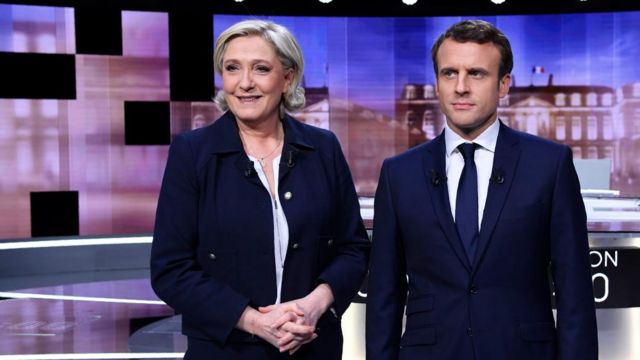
231	67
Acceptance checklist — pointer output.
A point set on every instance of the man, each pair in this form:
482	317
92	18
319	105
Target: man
469	226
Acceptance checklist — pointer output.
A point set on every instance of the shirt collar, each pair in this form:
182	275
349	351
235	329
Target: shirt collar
487	139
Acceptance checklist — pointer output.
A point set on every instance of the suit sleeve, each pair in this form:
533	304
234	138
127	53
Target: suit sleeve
576	320
387	288
345	273
210	308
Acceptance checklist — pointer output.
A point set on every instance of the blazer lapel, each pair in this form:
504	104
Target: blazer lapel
295	145
224	141
246	167
504	167
435	176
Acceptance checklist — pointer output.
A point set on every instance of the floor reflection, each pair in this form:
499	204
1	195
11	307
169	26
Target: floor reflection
48	326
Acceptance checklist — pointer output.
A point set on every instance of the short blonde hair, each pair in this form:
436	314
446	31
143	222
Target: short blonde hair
285	46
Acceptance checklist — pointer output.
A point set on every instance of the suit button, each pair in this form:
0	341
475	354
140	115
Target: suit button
330	242
473	290
469	332
288	195
212	256
295	245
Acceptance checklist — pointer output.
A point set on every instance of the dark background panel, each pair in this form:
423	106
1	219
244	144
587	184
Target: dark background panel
98	30
54	213
37	76
147	123
190	55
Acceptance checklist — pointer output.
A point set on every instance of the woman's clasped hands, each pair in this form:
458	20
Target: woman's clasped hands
289	325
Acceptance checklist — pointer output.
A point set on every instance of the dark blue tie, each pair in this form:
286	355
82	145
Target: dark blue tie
467	201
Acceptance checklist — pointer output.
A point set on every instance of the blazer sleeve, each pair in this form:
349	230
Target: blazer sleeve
210	309
576	320
345	273
387	288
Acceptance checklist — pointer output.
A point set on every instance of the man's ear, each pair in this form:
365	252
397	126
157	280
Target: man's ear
503	85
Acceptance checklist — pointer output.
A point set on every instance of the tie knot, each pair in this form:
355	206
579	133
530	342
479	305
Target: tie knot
467	150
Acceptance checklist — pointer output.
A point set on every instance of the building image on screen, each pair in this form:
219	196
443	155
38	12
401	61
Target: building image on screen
369	80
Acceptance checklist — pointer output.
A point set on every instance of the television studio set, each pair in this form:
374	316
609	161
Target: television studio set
100	258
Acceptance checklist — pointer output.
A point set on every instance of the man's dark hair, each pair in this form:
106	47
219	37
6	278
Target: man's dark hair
480	32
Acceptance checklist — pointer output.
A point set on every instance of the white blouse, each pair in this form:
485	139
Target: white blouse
280	226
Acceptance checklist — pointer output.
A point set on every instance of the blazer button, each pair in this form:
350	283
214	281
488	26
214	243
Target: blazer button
295	245
212	256
330	242
288	195
469	332
473	290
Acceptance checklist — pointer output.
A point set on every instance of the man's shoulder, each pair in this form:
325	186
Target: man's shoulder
534	142
415	154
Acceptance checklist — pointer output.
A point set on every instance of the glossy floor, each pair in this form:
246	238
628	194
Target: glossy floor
123	319
94	318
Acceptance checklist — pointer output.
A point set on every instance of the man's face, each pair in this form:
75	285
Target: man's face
468	87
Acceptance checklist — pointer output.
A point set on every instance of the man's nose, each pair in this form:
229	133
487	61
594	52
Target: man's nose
462	84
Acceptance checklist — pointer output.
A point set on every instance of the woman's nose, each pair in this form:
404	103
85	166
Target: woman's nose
246	81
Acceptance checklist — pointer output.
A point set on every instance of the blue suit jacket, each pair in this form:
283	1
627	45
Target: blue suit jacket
212	252
534	224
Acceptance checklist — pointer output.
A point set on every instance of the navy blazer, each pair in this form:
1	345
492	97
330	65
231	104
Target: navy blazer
499	308
212	252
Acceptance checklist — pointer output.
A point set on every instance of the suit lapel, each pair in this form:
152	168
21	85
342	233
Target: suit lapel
504	167
435	176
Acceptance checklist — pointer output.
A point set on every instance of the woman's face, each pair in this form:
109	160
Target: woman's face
253	79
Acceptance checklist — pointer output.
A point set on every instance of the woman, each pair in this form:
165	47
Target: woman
258	240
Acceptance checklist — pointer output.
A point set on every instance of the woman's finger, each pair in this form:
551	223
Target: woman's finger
292	351
298	329
285	318
285	339
266	309
291	345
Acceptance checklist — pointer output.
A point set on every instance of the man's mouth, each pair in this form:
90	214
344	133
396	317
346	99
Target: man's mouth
462	105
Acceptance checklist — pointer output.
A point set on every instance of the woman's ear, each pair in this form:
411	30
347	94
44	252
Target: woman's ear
288	79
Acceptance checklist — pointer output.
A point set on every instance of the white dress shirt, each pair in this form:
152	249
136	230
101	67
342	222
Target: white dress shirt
484	163
280	226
